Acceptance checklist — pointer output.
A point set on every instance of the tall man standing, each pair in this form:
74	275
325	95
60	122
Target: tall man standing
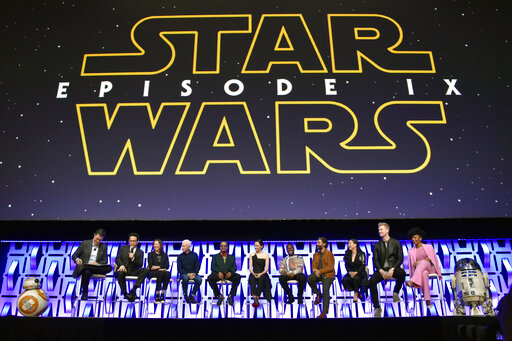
292	268
91	258
323	271
224	268
188	269
387	260
129	262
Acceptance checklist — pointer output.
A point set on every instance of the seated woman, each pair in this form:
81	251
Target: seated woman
258	279
423	261
158	263
356	278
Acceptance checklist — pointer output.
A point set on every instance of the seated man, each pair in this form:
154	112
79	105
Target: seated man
129	262
188	270
91	258
292	268
323	271
387	260
224	268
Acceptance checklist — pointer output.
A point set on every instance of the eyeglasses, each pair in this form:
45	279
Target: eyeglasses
223	246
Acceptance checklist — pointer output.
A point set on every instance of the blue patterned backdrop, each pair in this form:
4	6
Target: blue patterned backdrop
51	261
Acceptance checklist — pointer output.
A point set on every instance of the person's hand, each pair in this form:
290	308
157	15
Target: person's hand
415	263
291	275
428	260
390	273
317	272
228	275
122	268
352	274
383	273
131	255
93	263
440	276
257	275
191	275
155	267
78	261
160	269
221	276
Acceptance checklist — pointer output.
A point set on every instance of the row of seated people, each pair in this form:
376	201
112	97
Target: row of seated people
91	258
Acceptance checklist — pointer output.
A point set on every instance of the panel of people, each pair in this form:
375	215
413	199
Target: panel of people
91	258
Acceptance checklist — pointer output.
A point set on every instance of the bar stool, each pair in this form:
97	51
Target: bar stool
224	283
290	283
334	296
150	292
269	304
419	297
348	300
180	299
97	280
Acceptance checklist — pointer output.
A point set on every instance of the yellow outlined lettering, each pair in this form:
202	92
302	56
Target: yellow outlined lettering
128	145
224	127
391	49
288	47
307	128
162	35
179	170
294	62
345	144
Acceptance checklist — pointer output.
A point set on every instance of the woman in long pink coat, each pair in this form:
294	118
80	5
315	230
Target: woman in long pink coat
423	261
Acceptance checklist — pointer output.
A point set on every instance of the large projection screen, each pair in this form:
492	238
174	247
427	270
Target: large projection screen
185	110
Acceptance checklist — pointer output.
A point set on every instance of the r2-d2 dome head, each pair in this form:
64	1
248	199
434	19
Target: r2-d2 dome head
467	264
31	283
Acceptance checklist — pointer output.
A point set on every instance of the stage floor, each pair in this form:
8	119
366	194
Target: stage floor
416	328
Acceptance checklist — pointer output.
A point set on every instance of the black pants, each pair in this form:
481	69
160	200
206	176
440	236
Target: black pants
121	278
326	286
398	274
214	278
300	277
261	284
356	283
162	278
89	270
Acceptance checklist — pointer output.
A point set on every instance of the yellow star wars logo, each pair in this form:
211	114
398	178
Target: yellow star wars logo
224	132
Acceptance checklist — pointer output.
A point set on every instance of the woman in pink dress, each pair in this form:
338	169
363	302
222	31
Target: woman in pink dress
423	261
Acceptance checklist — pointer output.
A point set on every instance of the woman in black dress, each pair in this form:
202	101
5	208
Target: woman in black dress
356	278
258	279
158	263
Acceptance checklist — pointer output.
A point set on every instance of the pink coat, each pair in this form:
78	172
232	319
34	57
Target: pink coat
429	250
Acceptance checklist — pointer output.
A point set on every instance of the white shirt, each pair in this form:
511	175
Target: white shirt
94	253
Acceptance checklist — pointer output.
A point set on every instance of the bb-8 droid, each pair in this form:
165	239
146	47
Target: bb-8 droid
33	301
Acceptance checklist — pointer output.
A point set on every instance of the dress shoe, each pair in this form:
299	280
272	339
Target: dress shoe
84	296
220	299
395	297
230	301
192	300
378	312
301	300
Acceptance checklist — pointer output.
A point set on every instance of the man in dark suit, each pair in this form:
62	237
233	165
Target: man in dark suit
91	258
224	268
387	260
129	262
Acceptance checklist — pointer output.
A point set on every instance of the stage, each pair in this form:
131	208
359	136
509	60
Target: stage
420	328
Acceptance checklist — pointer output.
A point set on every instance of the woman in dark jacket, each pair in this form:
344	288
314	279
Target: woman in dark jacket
158	263
356	278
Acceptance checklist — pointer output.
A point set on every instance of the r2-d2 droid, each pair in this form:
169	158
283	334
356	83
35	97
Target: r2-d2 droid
471	288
